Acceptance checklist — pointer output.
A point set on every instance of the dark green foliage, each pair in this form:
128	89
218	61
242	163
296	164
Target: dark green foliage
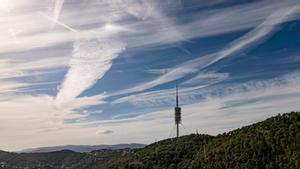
170	153
64	159
271	144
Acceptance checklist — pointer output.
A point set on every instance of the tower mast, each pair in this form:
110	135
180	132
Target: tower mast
177	113
176	95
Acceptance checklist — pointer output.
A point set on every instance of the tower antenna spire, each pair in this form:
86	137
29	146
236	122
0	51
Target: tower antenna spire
176	94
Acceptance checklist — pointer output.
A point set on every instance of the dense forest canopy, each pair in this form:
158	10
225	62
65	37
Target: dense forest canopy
273	143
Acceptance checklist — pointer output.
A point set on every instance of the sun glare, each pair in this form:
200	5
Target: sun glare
107	27
6	5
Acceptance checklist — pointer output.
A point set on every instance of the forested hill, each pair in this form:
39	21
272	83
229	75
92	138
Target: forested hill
271	144
64	159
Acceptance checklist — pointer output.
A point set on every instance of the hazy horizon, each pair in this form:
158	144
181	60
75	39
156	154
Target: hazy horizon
90	72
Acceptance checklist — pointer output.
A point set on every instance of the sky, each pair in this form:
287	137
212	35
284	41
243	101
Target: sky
88	72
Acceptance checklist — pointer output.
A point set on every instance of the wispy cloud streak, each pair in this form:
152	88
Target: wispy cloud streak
79	52
57	10
251	38
56	21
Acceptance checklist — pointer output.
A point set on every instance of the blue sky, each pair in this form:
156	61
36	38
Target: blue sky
104	72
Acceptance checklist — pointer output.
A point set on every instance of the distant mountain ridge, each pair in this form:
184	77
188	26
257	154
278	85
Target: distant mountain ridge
83	148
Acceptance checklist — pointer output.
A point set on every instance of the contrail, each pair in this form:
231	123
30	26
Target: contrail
91	59
254	37
57	10
58	22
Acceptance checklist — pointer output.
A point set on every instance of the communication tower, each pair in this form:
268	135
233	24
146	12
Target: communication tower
177	113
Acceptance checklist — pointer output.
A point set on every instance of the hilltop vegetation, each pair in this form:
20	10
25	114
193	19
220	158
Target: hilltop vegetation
273	143
64	159
270	144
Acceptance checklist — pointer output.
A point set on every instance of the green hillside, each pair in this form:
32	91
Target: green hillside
273	143
270	144
64	159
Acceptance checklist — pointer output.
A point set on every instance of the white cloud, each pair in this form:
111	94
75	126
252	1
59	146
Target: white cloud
215	114
91	59
253	37
100	132
100	31
199	89
36	119
206	23
16	67
207	78
10	87
156	25
161	98
158	71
